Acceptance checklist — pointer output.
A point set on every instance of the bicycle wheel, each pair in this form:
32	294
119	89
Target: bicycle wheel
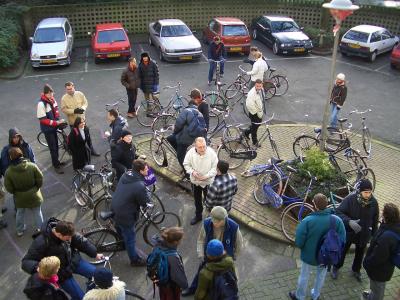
227	148
106	241
334	140
157	223
157	151
79	186
291	216
230	133
131	295
216	101
214	121
42	140
158	205
303	143
281	83
366	140
349	161
163	122
269	89
273	179
232	90
104	204
353	177
147	112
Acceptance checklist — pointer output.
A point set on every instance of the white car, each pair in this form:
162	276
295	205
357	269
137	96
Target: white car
52	43
367	41
174	40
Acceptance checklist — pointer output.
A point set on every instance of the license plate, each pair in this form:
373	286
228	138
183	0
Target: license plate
299	50
236	49
113	55
49	61
185	58
355	46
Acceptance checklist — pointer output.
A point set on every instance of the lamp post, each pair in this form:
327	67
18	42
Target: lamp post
340	10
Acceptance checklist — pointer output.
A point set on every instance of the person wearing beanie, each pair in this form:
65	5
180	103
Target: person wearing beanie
123	154
80	143
216	227
338	96
130	79
360	214
217	262
149	80
107	288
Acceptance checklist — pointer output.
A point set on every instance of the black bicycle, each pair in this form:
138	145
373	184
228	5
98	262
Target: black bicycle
62	138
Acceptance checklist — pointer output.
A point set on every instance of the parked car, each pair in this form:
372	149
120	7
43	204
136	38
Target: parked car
52	43
395	57
110	40
174	40
233	32
367	41
282	34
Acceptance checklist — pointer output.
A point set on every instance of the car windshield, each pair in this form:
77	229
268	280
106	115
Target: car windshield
234	30
357	36
175	30
49	35
284	26
111	36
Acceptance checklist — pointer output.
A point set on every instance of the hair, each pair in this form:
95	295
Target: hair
132	59
78	121
68	83
138	165
391	213
113	112
172	234
15	153
47	89
320	201
200	139
258	54
253	48
259	81
49	266
65	228
195	93
223	166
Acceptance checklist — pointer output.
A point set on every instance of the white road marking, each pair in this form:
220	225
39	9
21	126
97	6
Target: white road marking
75	72
86	62
381	67
357	66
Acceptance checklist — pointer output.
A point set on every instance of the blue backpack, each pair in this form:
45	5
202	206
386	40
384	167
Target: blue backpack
224	286
157	265
331	249
396	256
197	126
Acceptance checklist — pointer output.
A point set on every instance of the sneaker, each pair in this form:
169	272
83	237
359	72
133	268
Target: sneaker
334	273
365	295
292	295
209	83
357	276
21	233
94	153
187	292
59	170
3	224
138	263
221	75
62	163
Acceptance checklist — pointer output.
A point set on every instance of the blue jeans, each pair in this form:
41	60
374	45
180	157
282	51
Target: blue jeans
70	285
129	236
302	282
334	115
20	217
213	65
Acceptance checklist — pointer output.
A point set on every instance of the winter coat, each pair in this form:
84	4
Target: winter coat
204	109
47	244
24	146
351	209
181	125
119	124
149	76
122	156
338	95
38	289
116	292
311	230
254	102
130	195
258	70
80	148
69	103
23	179
206	276
130	79
216	52
205	165
383	246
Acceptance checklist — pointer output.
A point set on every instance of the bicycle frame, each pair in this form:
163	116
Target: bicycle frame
176	101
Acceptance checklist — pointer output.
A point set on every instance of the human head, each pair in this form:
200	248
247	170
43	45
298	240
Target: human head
79	122
48	91
365	189
145	57
320	201
217	39
259	85
391	213
196	96
340	78
172	235
214	249
200	145
15	153
126	136
64	230
103	278
112	115
218	216
257	55
253	49
16	138
132	62
48	267
222	167
69	88
140	166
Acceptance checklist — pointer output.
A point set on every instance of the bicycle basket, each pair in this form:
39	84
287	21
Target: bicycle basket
272	197
244	154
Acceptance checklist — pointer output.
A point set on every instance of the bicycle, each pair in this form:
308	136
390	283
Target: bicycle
62	138
281	82
217	70
115	105
161	150
216	99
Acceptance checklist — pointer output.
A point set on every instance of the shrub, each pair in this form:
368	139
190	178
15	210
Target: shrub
315	33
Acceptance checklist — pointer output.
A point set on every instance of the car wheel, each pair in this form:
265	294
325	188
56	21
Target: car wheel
343	53
150	41
372	57
275	48
254	34
161	56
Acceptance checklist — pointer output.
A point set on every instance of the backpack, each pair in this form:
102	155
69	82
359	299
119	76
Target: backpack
224	286
157	265
396	256
331	249
197	126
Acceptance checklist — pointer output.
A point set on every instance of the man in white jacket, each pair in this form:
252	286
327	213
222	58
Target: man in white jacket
201	164
259	67
255	106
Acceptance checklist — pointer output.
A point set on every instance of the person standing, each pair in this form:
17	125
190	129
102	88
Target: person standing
338	96
23	179
202	105
222	189
201	164
80	144
149	78
309	234
258	69
123	154
216	52
117	125
360	214
255	107
74	104
130	79
49	119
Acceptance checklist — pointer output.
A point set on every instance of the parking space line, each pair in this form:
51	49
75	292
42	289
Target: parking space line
74	72
381	67
86	59
357	66
13	243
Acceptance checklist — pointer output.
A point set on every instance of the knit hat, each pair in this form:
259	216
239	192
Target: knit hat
215	248
103	278
365	185
218	213
144	54
125	132
340	76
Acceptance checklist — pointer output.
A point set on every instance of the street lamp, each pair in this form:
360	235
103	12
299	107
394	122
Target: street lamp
340	10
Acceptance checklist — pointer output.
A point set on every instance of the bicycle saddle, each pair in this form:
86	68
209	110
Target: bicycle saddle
342	120
220	83
89	168
272	69
275	161
291	169
105	215
317	129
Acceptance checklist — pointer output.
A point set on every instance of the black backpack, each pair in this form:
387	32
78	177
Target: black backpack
224	286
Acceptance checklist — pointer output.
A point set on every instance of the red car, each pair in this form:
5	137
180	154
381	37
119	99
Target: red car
110	41
395	57
233	33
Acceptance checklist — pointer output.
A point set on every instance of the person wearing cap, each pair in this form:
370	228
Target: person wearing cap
338	96
123	154
309	234
360	214
80	143
216	52
202	105
107	288
149	78
130	79
217	262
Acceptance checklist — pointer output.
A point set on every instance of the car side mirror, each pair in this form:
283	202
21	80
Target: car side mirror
194	31
301	28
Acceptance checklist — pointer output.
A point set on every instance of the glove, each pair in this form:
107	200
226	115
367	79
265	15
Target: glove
355	226
79	110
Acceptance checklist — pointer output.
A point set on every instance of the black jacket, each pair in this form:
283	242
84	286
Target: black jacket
377	261
204	109
80	148
130	79
37	289
122	156
149	76
47	244
130	195
351	209
119	124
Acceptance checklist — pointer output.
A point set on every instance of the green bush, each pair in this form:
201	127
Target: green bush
314	34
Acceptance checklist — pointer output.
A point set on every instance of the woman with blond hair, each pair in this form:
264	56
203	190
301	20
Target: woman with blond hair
258	70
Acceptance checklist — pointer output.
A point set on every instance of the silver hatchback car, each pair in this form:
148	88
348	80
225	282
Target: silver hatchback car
174	40
52	43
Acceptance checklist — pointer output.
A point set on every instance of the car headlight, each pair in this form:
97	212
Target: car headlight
34	56
169	50
197	49
62	53
285	45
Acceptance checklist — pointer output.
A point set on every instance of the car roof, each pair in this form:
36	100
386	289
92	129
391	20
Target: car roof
278	18
165	22
229	21
108	26
367	28
52	22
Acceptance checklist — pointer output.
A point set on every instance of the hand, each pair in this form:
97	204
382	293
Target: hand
99	256
195	174
107	133
79	110
355	226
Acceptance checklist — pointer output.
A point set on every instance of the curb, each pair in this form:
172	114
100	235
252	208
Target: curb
17	72
322	52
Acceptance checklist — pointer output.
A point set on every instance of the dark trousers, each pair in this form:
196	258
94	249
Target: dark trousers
52	142
358	256
132	96
179	148
253	127
198	193
195	282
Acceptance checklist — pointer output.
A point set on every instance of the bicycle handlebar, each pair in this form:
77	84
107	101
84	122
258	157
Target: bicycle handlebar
216	61
178	86
360	112
241	69
116	103
170	127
